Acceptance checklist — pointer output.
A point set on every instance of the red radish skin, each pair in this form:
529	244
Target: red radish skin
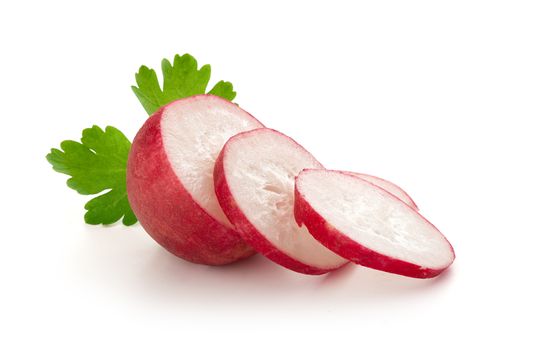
387	186
167	210
242	224
348	248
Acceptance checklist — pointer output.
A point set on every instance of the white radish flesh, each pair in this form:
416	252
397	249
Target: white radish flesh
387	186
366	224
254	179
193	135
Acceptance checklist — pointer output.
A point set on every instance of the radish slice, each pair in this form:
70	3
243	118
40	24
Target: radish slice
254	183
387	186
170	178
368	225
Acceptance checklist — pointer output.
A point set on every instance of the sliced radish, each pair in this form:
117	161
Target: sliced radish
387	186
368	225
170	178
254	183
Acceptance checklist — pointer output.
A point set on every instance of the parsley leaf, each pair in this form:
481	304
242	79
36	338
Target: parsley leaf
180	79
96	164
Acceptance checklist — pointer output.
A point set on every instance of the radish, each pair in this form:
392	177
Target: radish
369	226
387	186
169	178
254	183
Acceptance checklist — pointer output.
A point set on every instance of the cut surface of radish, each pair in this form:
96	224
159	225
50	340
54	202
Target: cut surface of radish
387	186
254	183
193	135
367	225
170	178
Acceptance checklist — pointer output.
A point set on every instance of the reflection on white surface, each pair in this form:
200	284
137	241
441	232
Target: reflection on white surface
128	260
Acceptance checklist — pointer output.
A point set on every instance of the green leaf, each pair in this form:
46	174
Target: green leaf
181	79
223	89
95	165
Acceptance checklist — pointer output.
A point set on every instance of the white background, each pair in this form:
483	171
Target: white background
435	96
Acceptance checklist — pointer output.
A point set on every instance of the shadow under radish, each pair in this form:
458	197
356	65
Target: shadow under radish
130	265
